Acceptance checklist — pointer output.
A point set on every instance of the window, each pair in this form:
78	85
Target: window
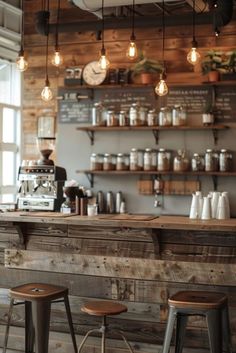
10	117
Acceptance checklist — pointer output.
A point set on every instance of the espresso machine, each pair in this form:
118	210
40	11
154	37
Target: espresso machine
41	187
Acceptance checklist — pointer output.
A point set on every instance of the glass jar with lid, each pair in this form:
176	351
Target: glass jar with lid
111	118
122	161
211	161
98	115
163	160
136	159
151	117
149	159
197	163
123	119
165	116
143	115
96	161
107	162
181	162
179	116
225	161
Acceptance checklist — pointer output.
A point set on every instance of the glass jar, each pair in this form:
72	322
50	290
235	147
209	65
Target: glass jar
179	116
197	163
136	159
225	161
134	119
111	118
122	161
181	162
151	117
149	159
143	116
97	115
96	161
107	162
165	116
163	160
123	119
211	161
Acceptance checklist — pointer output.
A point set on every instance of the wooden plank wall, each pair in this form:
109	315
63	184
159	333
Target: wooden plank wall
124	265
80	48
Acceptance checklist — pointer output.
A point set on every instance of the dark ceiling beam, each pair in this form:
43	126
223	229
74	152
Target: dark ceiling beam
119	23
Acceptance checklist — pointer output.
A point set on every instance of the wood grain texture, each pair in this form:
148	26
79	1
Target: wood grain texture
185	272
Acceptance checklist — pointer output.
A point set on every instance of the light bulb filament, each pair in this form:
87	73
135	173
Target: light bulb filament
21	63
57	59
46	94
193	56
161	88
132	51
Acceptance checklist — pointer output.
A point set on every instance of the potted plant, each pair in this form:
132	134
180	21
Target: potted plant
146	69
208	115
229	66
212	65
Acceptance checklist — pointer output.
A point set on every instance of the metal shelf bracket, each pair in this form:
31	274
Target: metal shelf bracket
215	136
90	178
215	182
91	136
156	136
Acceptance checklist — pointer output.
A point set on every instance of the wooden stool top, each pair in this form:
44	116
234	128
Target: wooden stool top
198	300
103	308
38	291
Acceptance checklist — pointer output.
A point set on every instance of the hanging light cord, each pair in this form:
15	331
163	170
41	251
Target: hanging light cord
132	34
194	40
46	66
103	47
22	26
57	23
163	32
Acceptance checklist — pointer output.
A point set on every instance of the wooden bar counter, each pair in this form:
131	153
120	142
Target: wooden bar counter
140	260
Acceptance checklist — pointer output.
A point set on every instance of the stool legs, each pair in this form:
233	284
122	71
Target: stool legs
169	329
8	326
69	318
126	342
226	330
41	320
180	332
29	329
213	318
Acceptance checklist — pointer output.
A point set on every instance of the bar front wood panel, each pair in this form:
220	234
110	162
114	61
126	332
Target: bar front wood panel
141	267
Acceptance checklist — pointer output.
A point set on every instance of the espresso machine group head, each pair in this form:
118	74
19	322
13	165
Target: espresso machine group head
41	187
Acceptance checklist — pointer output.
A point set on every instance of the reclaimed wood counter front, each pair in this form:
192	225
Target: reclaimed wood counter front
140	262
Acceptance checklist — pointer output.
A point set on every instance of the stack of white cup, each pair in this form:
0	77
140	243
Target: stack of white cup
215	205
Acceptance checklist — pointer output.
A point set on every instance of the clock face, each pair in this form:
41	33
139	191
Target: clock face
93	75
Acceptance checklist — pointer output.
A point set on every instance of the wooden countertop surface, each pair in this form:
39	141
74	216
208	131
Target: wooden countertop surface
134	221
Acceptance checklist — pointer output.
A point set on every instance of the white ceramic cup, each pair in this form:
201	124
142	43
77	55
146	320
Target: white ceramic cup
221	210
226	195
194	209
214	203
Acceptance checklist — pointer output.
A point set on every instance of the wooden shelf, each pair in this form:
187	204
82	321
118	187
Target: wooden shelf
91	173
90	130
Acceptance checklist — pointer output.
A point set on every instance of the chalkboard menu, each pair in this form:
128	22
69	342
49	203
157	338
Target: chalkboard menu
192	98
225	103
75	104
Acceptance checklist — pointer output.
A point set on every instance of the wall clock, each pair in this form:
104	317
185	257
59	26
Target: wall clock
92	74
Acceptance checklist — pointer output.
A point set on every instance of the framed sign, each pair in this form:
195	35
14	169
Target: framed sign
46	126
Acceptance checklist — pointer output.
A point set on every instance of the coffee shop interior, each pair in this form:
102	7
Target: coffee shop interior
117	175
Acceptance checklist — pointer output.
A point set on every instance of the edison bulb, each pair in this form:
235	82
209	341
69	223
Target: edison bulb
21	63
161	88
46	94
104	62
193	56
57	58
132	51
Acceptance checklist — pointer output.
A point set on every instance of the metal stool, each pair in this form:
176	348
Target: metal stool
37	298
103	309
213	306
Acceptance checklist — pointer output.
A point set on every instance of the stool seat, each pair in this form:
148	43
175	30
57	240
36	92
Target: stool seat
38	291
198	300
103	308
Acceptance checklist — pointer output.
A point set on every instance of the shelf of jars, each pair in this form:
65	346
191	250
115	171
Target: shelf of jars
91	129
91	173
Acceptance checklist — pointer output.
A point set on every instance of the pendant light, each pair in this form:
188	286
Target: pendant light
103	61
132	51
193	56
57	59
21	62
161	88
46	93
